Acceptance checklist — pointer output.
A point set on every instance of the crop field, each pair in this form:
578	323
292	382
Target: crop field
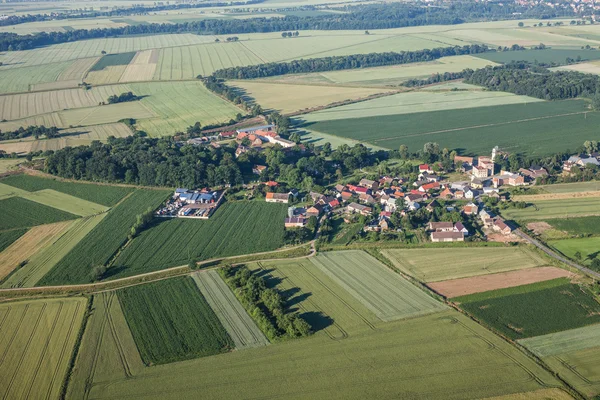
589	248
36	239
238	324
381	290
70	77
41	259
141	67
18	106
533	310
22	79
38	338
586	67
109	60
470	130
179	105
235	228
560	208
542	394
8	237
564	342
541	56
65	202
458	359
21	213
7	191
171	321
276	96
440	264
385	76
501	280
577	226
98	246
8	164
107	195
572	187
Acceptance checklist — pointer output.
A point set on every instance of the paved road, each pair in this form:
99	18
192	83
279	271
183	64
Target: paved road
555	255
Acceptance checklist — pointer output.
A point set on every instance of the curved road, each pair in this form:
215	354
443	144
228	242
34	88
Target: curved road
555	255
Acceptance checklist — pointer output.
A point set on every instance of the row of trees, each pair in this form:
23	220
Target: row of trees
345	62
123	97
34	130
142	221
361	17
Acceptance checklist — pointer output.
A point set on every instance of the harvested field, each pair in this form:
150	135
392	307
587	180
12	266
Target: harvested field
8	237
97	247
77	69
483	283
38	337
21	250
533	310
171	321
8	164
564	342
440	264
107	350
172	242
141	67
46	257
22	213
556	196
560	208
238	324
107	195
276	96
381	290
106	76
65	202
18	106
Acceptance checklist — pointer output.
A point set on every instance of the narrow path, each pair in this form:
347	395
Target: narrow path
555	255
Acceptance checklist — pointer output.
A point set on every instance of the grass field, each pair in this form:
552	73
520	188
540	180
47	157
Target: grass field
38	337
21	213
65	202
42	259
572	187
276	96
589	248
98	246
109	60
440	264
235	228
179	105
8	237
22	79
238	324
100	194
36	239
552	209
541	56
577	226
171	321
469	130
535	309
8	164
381	290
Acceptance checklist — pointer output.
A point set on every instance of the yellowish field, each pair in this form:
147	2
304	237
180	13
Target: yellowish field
58	25
141	68
36	342
21	79
289	98
542	394
110	74
18	106
7	164
65	202
591	67
27	245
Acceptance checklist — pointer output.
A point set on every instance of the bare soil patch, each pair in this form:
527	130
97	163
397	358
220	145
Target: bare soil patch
501	238
538	227
477	284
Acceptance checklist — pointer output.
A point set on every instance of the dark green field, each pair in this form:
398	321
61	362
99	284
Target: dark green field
534	128
533	310
113	59
8	237
542	56
171	321
101	194
98	246
21	213
236	228
577	226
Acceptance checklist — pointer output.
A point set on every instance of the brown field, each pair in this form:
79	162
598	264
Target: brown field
556	196
484	283
141	68
27	245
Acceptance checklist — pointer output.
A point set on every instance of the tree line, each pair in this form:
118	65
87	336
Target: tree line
361	17
345	62
122	98
34	130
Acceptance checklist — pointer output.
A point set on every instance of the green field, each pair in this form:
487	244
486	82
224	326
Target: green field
21	213
238	324
109	60
471	130
559	208
179	105
236	228
98	246
65	202
572	187
101	194
21	79
577	226
541	56
440	264
381	290
536	310
574	354
589	248
171	321
44	259
8	237
38	337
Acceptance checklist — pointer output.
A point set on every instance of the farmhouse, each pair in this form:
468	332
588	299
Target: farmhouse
314	211
257	169
277	197
369	184
441	226
459	227
359	208
295	222
425	168
501	226
471	209
447	237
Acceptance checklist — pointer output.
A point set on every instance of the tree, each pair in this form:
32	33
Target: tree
521	24
577	256
367	33
97	272
403	151
284	34
103	52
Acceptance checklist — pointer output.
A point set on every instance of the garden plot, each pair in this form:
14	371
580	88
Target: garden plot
384	292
